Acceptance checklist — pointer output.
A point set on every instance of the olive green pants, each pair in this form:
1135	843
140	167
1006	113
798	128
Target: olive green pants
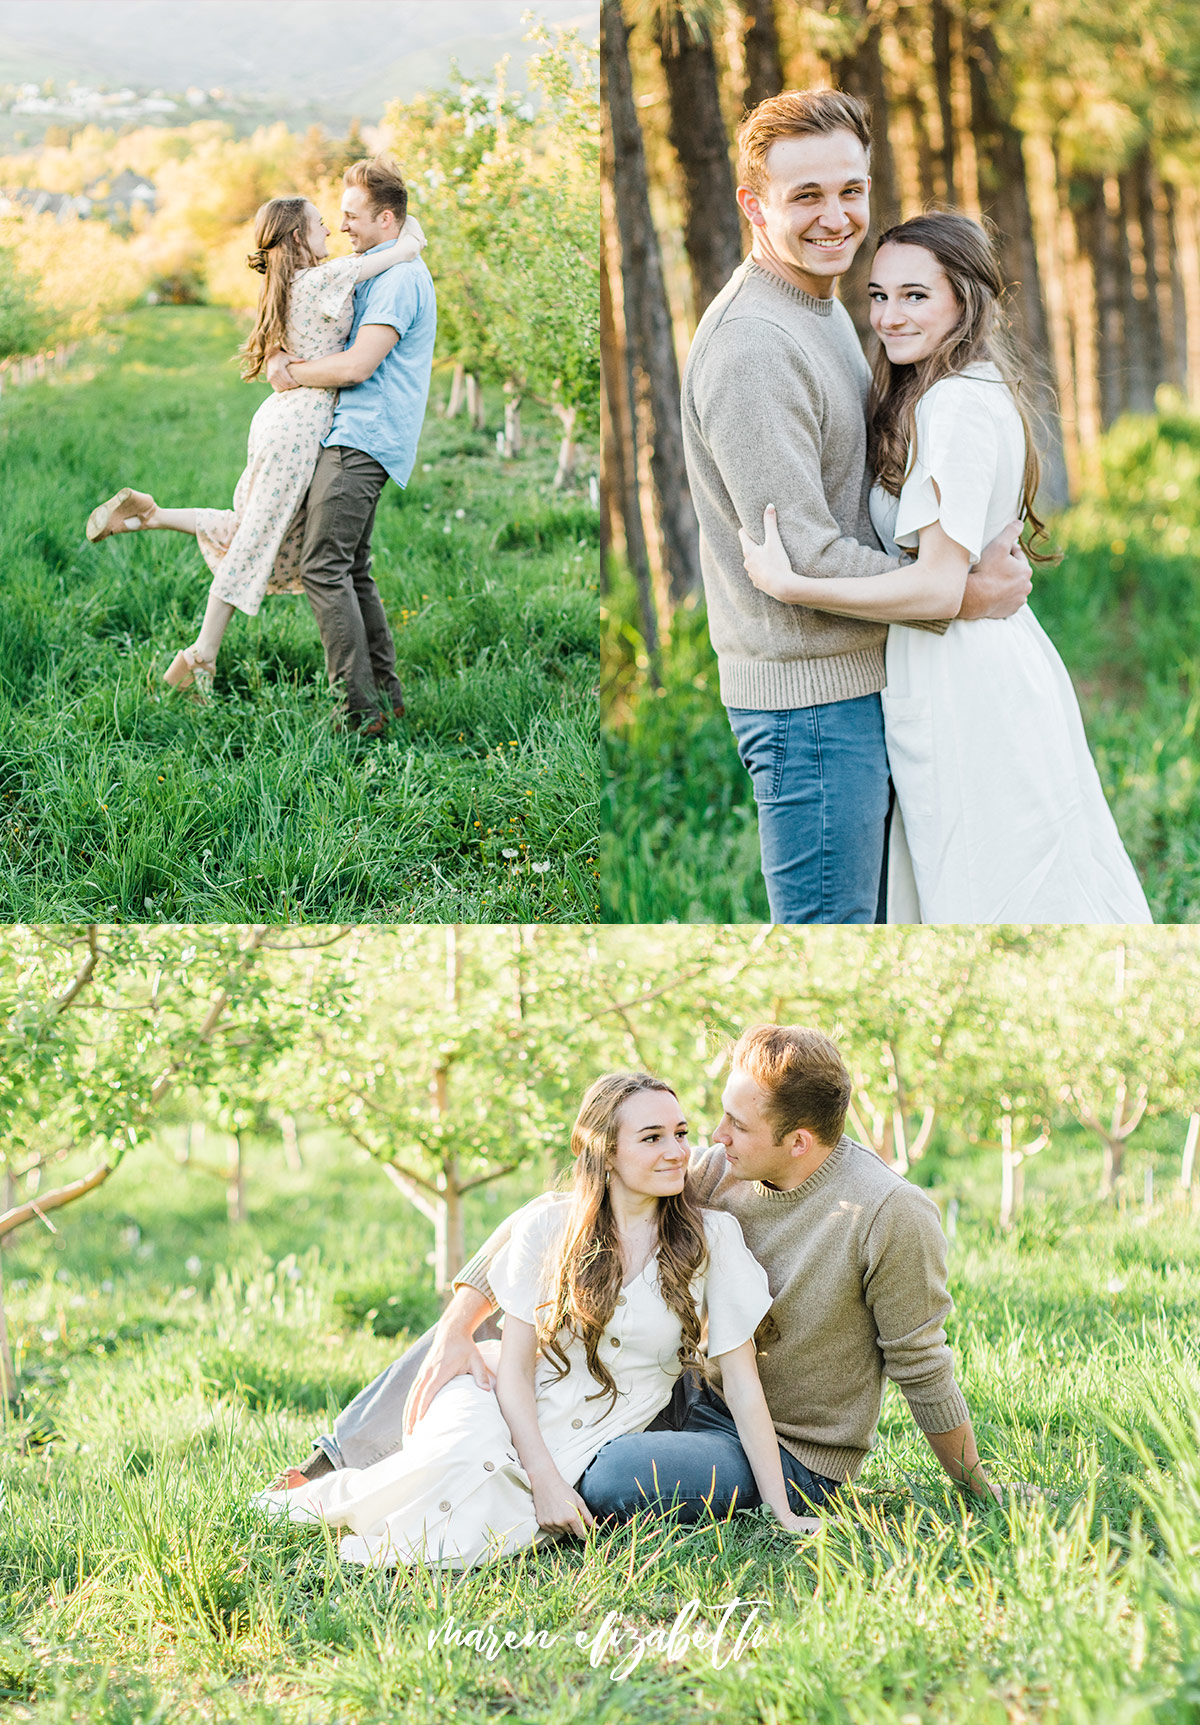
335	567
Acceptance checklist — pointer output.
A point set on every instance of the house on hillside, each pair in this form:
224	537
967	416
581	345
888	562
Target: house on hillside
116	197
31	200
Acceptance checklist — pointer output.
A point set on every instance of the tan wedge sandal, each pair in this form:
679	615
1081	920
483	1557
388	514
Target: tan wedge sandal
118	515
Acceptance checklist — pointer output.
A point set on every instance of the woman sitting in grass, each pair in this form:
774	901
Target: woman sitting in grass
605	1293
306	307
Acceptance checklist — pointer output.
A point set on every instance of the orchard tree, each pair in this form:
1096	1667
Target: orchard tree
99	1025
1111	1034
455	1057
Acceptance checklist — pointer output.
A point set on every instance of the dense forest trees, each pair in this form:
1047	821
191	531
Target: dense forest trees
1072	127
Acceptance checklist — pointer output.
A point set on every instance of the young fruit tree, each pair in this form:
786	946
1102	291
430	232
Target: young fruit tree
100	1025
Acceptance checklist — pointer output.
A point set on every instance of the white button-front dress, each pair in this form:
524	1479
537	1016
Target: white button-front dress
456	1494
1000	813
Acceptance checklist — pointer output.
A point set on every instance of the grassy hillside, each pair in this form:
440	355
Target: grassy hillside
1123	609
119	799
171	1362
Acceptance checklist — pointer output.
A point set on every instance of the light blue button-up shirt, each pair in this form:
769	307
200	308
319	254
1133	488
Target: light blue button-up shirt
382	416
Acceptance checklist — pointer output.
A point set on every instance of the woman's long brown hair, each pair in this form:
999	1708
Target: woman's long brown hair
280	249
969	257
587	1273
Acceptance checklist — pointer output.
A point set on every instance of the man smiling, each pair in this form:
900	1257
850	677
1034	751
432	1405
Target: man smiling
856	1262
774	397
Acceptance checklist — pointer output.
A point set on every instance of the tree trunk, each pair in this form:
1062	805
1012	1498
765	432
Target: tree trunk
712	234
943	85
475	411
648	329
1187	1166
567	447
760	45
235	1184
621	486
8	1373
1139	290
1004	197
510	446
291	1144
1114	1163
1008	1186
9	1199
457	390
1100	245
1173	317
1187	253
861	74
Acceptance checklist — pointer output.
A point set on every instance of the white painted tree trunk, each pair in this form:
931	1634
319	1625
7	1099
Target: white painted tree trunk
567	449
475	402
458	391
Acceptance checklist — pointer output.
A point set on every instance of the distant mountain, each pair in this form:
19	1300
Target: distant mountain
324	59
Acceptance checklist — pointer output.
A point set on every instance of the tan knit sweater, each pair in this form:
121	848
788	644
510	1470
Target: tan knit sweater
856	1261
774	411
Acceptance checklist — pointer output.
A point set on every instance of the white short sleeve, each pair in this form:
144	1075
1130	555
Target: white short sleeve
520	1272
958	446
333	283
737	1295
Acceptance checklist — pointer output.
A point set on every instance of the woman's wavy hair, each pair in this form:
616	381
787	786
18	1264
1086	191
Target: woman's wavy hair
968	254
280	249
587	1273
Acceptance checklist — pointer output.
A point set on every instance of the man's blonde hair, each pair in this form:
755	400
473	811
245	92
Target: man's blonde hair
801	1075
383	183
796	114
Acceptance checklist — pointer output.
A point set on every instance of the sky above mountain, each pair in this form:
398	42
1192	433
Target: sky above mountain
339	57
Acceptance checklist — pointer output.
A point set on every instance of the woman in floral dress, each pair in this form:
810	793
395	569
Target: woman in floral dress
606	1292
306	306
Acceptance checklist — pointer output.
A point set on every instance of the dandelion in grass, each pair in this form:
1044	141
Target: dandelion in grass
539	867
509	854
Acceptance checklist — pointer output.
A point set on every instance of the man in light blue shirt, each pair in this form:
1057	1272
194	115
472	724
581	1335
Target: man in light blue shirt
383	381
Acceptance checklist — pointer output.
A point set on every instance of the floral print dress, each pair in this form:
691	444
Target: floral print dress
254	548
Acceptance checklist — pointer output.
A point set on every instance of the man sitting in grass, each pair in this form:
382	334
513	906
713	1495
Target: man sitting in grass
856	1261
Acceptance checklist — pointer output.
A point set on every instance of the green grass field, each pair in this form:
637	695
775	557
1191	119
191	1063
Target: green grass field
171	1362
120	799
1123	609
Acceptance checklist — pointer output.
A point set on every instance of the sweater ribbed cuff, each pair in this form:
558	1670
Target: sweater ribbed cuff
474	1275
841	1463
930	627
944	1415
775	685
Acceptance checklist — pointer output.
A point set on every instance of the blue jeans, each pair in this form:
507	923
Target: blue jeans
698	1470
820	779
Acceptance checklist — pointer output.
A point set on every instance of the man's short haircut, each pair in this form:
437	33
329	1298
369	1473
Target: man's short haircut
380	178
801	1075
796	114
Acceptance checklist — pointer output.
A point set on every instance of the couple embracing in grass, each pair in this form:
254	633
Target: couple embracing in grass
347	346
893	497
683	1331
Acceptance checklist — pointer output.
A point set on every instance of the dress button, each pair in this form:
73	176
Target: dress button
576	1424
620	1299
489	1467
443	1504
616	1341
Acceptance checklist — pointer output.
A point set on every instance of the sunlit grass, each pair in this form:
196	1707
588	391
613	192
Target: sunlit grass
119	799
171	1362
1123	609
